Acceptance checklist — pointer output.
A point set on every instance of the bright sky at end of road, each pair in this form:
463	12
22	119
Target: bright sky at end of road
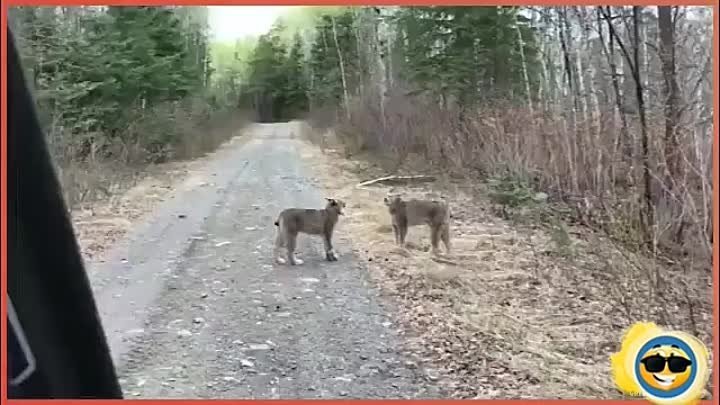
232	22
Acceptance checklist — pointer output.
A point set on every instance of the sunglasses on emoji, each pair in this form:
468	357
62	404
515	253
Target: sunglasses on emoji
656	363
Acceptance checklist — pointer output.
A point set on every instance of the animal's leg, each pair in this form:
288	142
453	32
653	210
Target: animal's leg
291	243
434	238
279	244
445	235
329	251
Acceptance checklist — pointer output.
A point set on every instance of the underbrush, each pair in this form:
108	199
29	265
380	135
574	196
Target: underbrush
93	166
554	261
583	168
529	305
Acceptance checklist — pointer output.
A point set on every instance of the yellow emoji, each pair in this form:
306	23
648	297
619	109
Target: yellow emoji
665	367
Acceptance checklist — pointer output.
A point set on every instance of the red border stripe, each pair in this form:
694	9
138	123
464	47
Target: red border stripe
716	215
349	401
3	205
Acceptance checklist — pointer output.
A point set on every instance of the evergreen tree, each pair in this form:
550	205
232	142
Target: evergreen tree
296	100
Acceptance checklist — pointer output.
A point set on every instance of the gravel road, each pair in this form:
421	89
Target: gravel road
194	307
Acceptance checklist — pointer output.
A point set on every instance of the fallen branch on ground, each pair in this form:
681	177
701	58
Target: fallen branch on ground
443	261
421	178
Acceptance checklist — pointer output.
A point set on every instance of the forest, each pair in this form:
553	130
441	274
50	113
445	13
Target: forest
604	112
119	89
608	109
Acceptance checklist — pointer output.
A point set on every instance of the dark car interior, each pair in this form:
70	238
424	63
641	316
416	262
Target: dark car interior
56	344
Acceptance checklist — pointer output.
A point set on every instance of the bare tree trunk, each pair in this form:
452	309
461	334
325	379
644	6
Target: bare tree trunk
572	147
634	64
327	49
346	99
547	88
543	95
581	96
671	95
547	91
380	35
649	208
521	46
358	21
623	143
590	98
581	92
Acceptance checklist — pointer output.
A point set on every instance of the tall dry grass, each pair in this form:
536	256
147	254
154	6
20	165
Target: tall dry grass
94	166
584	165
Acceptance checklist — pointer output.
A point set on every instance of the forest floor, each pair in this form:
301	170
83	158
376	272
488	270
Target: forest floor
518	310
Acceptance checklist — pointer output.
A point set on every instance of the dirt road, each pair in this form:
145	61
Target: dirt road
194	307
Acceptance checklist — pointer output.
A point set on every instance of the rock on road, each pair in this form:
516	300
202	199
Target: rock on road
194	307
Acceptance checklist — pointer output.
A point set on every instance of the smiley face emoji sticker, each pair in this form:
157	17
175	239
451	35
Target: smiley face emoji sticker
665	367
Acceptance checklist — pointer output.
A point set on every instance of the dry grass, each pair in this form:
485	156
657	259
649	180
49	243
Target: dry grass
516	311
582	165
101	222
109	183
95	166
